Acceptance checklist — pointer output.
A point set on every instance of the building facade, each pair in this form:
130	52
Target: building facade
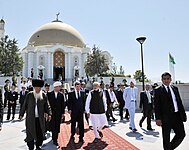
56	51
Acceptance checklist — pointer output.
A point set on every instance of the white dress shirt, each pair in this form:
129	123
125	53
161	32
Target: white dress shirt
173	98
149	96
112	96
56	93
36	109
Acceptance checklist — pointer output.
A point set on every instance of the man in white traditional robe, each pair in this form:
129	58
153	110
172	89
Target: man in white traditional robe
96	107
130	95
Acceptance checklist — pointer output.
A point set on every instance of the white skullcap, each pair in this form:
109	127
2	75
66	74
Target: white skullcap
133	81
96	83
57	83
148	84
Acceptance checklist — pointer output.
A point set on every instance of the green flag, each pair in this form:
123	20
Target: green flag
171	59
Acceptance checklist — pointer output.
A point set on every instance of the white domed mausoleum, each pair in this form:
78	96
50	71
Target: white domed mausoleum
56	51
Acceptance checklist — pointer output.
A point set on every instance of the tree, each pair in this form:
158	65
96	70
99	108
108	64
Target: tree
95	63
138	75
10	60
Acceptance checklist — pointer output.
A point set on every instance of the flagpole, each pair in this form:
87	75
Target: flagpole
172	67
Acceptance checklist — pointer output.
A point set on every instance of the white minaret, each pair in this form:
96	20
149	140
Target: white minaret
2	29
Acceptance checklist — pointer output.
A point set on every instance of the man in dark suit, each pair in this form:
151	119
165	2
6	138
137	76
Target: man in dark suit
86	91
1	110
76	108
56	100
7	90
169	112
119	95
12	98
23	94
146	104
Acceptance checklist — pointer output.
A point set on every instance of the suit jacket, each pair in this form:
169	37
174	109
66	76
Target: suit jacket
119	95
162	104
108	100
22	97
12	96
57	106
144	101
127	95
76	105
1	108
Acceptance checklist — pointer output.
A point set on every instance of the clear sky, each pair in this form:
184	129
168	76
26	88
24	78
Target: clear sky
113	25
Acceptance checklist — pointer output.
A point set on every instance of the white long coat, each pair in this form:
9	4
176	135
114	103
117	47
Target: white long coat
127	96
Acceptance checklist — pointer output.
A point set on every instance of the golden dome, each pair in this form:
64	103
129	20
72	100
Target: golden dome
57	32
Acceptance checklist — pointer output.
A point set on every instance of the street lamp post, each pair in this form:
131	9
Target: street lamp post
141	41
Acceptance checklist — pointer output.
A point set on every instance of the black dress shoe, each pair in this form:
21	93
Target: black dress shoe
134	130
38	148
81	140
95	140
55	143
130	128
100	133
140	124
114	119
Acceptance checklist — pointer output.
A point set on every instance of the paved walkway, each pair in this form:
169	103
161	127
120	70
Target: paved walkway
110	140
13	134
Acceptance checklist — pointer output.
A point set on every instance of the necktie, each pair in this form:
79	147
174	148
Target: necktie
149	96
171	99
77	95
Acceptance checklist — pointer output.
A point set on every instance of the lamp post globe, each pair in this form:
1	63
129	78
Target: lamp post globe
141	41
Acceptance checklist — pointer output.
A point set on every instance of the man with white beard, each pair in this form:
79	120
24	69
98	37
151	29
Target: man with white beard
35	105
96	107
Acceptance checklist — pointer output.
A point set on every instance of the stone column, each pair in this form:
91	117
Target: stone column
66	65
69	66
24	65
51	65
30	63
84	59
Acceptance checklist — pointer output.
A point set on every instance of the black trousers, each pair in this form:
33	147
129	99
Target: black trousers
109	112
121	110
147	113
5	98
177	125
127	114
55	128
13	107
77	117
39	134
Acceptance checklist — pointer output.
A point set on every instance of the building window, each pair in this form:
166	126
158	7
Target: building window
41	60
76	61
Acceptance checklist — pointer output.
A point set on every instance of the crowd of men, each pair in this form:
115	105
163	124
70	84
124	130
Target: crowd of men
45	109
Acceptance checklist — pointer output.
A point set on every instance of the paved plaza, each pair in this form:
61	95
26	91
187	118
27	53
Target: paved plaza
13	134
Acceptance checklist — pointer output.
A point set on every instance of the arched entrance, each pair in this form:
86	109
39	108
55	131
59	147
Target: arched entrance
59	66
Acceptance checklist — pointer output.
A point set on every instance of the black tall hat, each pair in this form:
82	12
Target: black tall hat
37	83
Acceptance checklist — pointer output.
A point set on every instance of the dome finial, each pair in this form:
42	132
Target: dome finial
57	16
57	20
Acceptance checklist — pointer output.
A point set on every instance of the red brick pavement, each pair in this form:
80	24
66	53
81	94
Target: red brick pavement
110	140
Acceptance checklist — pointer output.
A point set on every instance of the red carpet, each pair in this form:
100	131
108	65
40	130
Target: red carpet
110	140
